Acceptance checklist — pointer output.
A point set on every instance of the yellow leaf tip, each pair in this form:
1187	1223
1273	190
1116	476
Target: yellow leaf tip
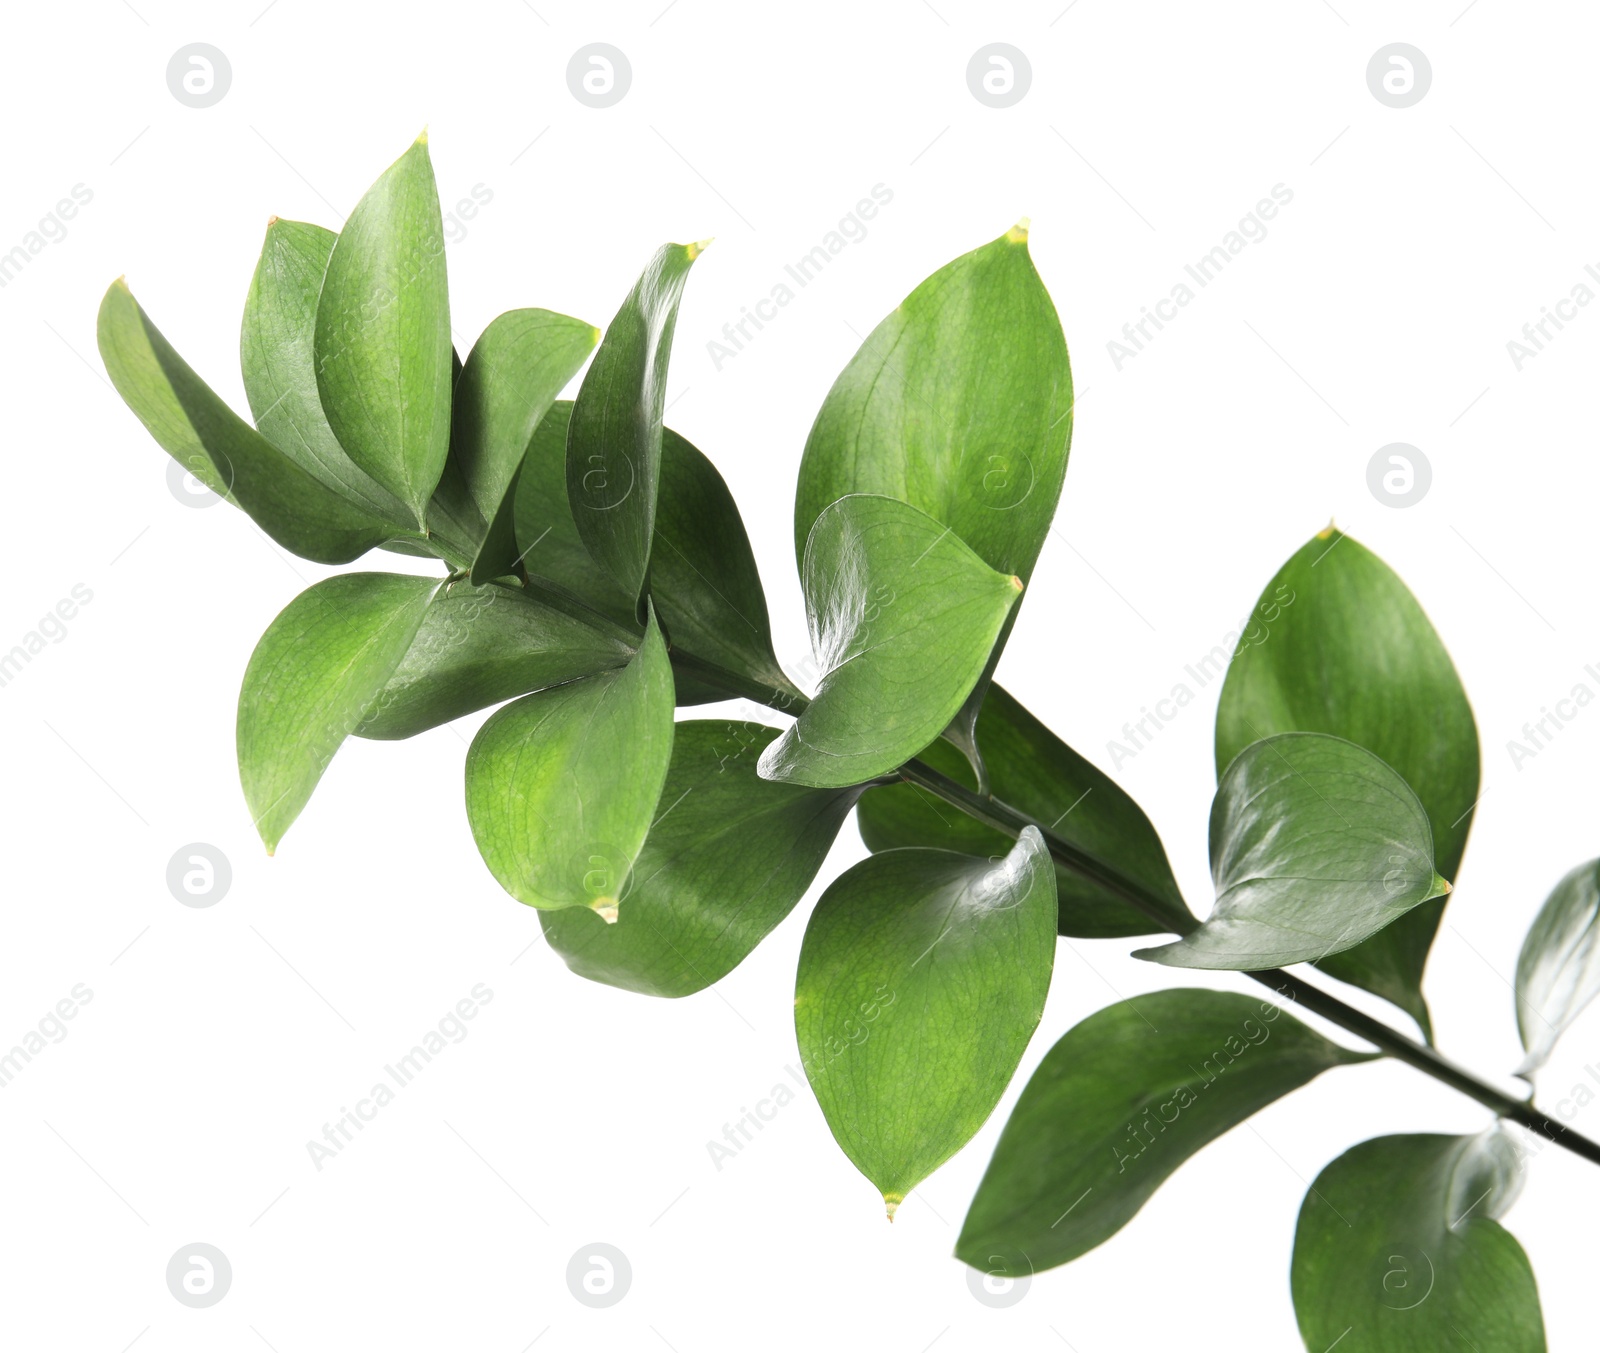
698	247
1327	530
1016	583
1018	234
606	909
422	137
891	1205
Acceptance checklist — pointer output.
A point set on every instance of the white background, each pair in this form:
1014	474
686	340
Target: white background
219	1041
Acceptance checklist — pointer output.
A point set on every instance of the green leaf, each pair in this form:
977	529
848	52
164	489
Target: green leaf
922	977
511	378
727	859
903	615
703	576
1117	1106
562	784
1315	844
219	448
479	646
1034	771
383	333
280	371
1337	644
1558	971
1399	1250
614	441
311	679
960	403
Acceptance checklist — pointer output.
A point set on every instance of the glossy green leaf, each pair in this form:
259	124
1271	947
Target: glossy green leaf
903	615
1399	1250
703	576
1315	844
276	345
614	440
960	403
511	378
383	333
479	646
728	857
219	448
1337	644
1034	771
312	677
1558	971
922	977
1117	1106
562	785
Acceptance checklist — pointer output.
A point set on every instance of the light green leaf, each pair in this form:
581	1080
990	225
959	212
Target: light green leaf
1034	771
903	616
922	977
728	857
511	378
383	333
1337	644
1117	1106
219	448
614	441
480	645
280	371
562	785
1399	1250
311	679
960	403
1558	971
1315	844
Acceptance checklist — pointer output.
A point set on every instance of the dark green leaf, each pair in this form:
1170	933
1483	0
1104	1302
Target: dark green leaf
280	372
1034	771
728	857
614	441
922	977
1117	1106
383	333
703	576
511	378
478	646
562	784
219	448
1558	971
311	679
1338	645
903	616
1398	1250
1315	844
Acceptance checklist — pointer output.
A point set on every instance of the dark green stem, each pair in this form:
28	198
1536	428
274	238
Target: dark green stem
1001	816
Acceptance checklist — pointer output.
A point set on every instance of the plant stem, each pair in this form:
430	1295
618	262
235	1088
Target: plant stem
1001	816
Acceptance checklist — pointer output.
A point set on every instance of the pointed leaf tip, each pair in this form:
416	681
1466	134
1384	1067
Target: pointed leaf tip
422	137
698	247
606	909
1018	234
891	1205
